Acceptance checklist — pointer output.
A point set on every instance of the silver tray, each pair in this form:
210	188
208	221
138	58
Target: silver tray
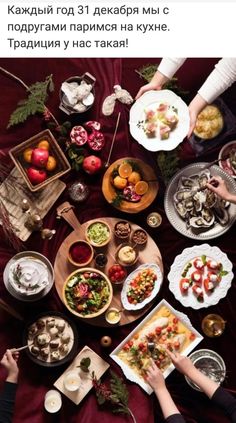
178	223
33	297
209	363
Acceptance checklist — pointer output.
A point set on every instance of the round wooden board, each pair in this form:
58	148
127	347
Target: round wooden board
62	268
148	174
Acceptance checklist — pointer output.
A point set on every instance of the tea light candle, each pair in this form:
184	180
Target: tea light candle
52	402
72	381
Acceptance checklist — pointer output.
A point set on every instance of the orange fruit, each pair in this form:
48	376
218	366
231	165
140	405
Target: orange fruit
27	155
125	170
51	163
141	187
44	144
134	177
119	182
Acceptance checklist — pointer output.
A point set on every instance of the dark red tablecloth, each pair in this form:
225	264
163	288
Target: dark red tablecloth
34	381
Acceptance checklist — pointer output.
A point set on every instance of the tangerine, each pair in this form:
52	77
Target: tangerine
141	187
119	182
27	155
134	177
125	170
44	144
51	163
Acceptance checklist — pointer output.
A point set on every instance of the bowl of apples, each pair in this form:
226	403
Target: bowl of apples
40	160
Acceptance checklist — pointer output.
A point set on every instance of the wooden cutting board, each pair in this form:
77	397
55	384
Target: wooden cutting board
12	194
63	268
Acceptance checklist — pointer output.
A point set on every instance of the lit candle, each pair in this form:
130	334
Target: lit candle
52	402
72	380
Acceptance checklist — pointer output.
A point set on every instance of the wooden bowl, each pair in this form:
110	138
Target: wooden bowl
148	174
104	308
92	241
73	261
63	166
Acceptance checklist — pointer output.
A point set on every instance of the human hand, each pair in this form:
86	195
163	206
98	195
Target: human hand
9	361
156	83
195	107
181	363
219	187
155	377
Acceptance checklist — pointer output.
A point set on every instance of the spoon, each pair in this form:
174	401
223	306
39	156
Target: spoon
13	350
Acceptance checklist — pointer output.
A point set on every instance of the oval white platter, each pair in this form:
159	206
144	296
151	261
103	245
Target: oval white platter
158	282
177	268
150	100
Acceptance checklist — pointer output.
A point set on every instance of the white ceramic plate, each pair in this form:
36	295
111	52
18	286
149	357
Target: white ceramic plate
32	297
128	371
176	270
150	100
178	223
158	282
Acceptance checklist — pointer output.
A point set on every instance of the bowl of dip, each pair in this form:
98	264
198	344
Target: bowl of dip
98	233
113	315
126	254
80	253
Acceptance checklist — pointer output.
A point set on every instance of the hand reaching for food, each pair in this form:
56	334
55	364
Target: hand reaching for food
219	187
9	361
155	377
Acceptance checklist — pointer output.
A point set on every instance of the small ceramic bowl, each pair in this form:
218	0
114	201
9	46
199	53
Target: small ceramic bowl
122	229
113	316
139	237
126	254
80	253
227	151
98	233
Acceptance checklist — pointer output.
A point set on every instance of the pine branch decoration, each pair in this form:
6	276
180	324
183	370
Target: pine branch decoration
120	390
34	103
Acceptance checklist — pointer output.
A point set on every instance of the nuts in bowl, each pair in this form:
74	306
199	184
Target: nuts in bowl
139	237
122	229
98	233
87	293
126	254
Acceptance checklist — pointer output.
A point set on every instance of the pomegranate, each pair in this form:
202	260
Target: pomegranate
78	135
36	176
93	125
92	164
96	141
39	157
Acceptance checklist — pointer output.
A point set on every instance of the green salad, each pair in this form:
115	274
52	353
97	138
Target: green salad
98	233
87	292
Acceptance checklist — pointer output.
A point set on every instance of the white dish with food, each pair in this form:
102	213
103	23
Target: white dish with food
141	286
200	276
163	327
159	120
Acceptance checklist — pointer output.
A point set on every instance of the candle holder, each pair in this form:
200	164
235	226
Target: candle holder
52	401
72	381
213	325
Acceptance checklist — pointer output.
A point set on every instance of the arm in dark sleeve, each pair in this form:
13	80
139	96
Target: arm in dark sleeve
175	418
225	400
7	401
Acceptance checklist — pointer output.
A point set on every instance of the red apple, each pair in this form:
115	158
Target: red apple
39	157
36	176
92	164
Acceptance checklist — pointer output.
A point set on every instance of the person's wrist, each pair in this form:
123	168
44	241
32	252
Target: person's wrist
12	377
160	388
230	197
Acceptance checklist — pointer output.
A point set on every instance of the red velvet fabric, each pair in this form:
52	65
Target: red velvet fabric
34	381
